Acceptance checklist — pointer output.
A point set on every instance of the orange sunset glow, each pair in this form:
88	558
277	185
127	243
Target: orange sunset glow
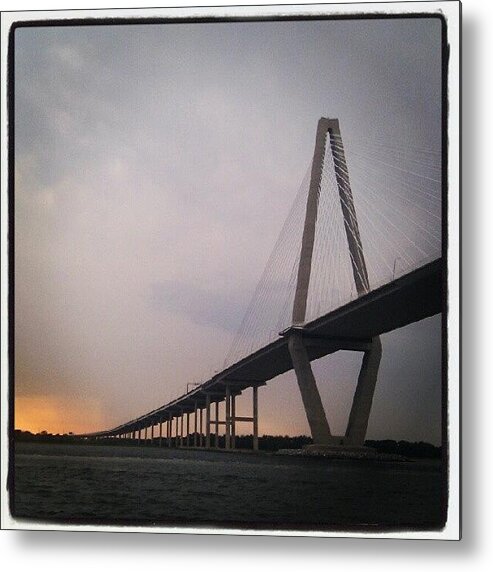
55	414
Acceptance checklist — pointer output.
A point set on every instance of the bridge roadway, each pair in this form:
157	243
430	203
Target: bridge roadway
408	299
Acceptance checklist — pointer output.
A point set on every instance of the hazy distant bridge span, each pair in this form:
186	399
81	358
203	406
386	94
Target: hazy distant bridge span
355	324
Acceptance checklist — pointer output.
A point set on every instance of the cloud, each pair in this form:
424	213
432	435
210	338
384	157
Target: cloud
56	414
200	305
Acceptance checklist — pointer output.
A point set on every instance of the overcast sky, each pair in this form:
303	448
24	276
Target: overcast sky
155	166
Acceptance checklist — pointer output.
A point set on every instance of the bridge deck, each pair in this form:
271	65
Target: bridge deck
408	299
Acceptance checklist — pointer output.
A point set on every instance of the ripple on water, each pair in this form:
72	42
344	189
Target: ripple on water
136	488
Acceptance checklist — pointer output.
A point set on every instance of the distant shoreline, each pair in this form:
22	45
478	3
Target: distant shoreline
267	444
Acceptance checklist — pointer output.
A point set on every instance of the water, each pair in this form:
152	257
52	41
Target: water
114	484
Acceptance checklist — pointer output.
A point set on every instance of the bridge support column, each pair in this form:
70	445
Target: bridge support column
161	433
139	432
363	396
233	421
208	421
181	428
310	396
227	444
201	425
188	429
255	418
168	429
176	431
145	436
216	426
195	426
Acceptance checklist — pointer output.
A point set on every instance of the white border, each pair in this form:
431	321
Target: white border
451	12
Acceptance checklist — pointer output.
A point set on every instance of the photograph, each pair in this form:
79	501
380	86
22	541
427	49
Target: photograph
232	244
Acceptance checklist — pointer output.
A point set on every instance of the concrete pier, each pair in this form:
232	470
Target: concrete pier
227	441
181	429
201	438
233	421
310	395
216	425
208	421
255	418
195	424
363	396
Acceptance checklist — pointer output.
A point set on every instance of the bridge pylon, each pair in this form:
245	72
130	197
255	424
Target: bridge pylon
329	138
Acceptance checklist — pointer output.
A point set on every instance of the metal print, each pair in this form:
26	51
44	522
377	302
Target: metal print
233	270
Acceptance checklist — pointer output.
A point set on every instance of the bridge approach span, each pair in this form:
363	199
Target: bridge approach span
408	299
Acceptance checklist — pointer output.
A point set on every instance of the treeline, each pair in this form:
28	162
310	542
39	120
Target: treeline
419	450
266	443
45	437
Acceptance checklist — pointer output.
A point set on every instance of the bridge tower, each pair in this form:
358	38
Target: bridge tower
328	138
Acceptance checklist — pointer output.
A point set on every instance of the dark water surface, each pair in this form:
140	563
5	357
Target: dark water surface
91	483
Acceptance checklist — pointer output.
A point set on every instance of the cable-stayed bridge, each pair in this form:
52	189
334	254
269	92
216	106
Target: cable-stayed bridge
359	255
